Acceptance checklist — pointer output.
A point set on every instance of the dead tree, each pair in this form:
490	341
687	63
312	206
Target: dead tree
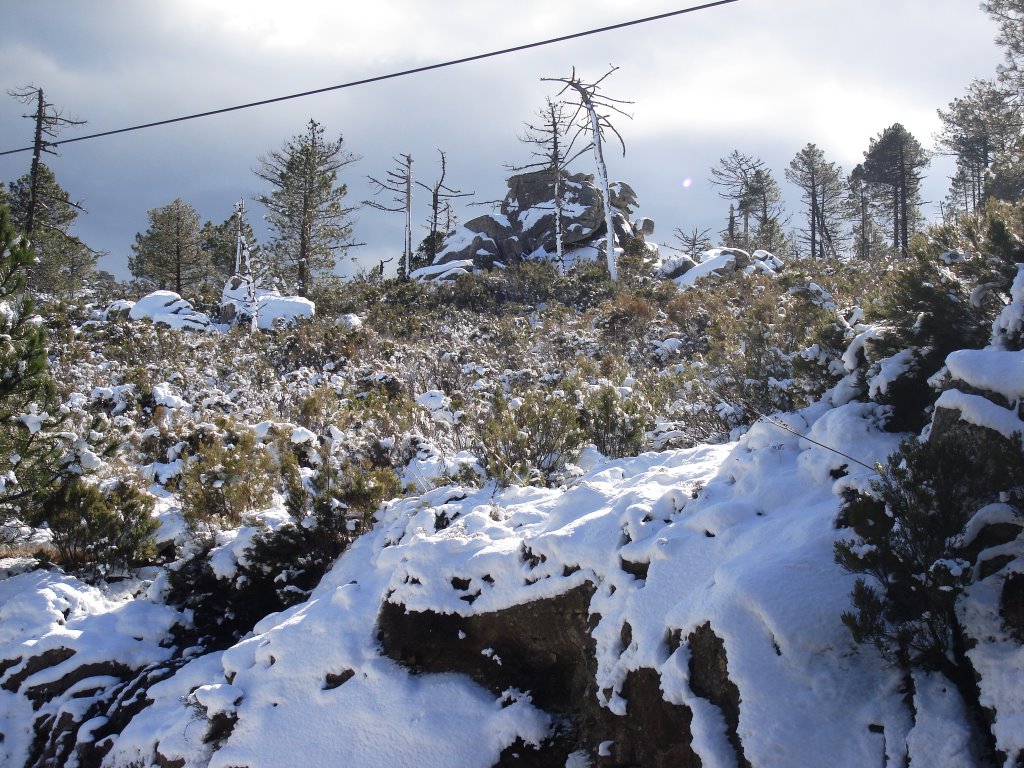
48	122
555	149
694	241
441	218
399	183
588	103
244	269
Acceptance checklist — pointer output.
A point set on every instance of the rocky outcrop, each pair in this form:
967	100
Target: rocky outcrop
709	679
544	648
524	226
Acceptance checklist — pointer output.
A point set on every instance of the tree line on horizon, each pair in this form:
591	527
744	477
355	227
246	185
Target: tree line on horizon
869	212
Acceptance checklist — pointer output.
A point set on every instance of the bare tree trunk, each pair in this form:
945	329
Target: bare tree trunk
37	149
408	213
603	173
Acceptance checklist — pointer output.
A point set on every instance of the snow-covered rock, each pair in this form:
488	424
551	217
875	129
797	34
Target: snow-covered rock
168	308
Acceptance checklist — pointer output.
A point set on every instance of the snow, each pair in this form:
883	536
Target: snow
1010	323
889	370
446	271
42	611
997	657
941	735
350	321
34	419
995	370
739	535
982	412
168	308
854	352
162	395
771	513
991	514
712	261
282	311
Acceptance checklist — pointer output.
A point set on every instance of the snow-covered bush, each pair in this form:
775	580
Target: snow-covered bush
529	439
923	314
615	423
225	478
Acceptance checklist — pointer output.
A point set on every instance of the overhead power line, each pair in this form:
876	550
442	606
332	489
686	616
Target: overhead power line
391	76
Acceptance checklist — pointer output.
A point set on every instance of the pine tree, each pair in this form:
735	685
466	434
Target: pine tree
692	242
741	180
64	263
1009	15
29	454
170	252
48	122
305	208
980	129
867	217
821	183
892	165
764	201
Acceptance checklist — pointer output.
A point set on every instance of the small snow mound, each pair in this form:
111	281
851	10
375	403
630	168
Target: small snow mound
350	322
168	308
276	311
447	271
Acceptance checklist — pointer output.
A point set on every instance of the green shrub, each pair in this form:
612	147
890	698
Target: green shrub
926	310
530	439
614	424
100	529
908	528
223	480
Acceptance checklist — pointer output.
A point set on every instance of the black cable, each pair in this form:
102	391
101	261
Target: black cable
379	78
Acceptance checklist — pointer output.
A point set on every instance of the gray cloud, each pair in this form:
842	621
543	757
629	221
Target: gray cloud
762	77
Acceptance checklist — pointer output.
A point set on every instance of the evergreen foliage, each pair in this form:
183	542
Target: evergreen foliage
219	242
32	454
821	184
305	207
908	543
224	480
64	264
99	530
892	165
529	439
169	254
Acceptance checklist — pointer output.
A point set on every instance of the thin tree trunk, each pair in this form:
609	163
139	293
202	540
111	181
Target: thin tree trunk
603	172
37	149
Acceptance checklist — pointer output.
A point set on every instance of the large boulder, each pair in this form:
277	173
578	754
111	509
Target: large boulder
524	225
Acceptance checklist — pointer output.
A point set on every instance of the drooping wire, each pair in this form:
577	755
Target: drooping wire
390	76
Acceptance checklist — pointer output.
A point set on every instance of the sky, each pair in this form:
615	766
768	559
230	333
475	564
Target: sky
764	77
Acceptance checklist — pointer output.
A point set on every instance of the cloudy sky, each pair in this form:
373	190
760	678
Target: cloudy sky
762	76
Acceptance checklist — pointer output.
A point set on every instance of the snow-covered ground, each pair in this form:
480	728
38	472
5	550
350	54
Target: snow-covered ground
739	536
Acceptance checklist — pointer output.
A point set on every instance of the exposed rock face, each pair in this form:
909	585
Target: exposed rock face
1012	604
709	679
524	226
78	703
545	648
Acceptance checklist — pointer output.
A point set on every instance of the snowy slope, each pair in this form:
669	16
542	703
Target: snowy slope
751	555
